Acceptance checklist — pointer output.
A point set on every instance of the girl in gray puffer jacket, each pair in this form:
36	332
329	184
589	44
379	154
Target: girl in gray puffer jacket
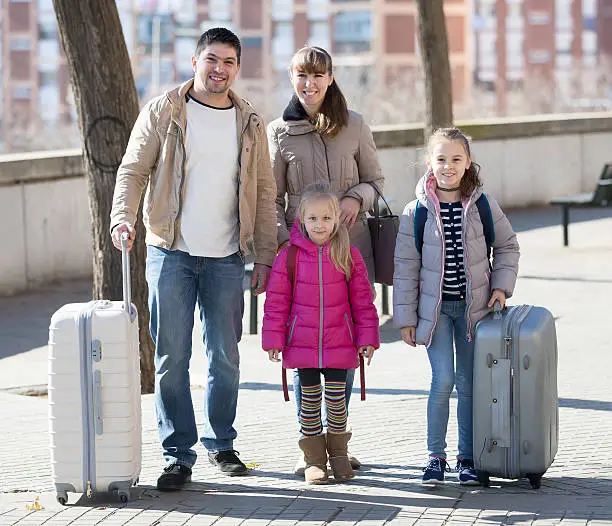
444	283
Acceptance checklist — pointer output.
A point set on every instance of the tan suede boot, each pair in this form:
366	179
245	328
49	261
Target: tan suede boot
337	449
300	464
315	456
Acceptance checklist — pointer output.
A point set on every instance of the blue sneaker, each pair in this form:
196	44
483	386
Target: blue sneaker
467	473
434	471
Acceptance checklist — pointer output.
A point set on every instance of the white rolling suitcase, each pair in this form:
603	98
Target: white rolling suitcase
94	395
516	410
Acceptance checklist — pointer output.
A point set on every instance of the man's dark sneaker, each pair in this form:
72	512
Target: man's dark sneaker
434	471
174	477
467	473
228	462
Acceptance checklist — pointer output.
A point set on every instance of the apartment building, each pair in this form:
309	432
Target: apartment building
373	42
496	46
546	44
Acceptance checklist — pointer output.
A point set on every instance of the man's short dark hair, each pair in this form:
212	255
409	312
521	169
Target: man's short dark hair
218	34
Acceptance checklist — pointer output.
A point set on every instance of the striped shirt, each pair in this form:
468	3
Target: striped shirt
453	286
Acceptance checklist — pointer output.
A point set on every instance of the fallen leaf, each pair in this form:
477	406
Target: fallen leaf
35	506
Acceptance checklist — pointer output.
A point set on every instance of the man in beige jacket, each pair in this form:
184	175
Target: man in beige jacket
201	152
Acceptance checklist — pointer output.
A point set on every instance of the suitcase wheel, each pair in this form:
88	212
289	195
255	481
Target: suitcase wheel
535	480
483	478
124	496
62	498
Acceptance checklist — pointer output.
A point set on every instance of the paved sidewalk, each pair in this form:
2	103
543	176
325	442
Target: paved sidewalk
575	283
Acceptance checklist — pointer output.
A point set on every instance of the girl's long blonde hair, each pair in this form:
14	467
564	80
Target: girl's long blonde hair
339	244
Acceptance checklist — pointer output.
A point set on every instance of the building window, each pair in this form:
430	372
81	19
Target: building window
47	26
589	42
538	18
319	35
145	32
282	44
352	31
589	8
539	56
48	78
22	92
220	10
563	42
20	44
563	15
282	10
514	51
48	55
252	42
48	101
318	10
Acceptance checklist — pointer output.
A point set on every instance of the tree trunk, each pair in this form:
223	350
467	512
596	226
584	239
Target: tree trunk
433	42
107	105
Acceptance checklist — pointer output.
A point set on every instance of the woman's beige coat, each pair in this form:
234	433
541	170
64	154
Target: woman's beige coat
347	162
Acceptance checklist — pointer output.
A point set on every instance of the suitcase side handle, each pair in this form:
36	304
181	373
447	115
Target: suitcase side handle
497	310
125	273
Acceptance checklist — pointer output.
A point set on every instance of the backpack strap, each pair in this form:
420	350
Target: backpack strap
292	252
486	218
420	217
362	378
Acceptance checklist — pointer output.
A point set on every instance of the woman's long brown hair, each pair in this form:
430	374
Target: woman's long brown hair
333	113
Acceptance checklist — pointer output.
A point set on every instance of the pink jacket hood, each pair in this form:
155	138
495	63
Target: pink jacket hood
324	319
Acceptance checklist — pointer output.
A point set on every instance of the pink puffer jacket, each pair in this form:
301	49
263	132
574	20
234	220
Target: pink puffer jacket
323	322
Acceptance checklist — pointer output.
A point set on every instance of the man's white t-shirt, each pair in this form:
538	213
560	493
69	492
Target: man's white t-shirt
209	217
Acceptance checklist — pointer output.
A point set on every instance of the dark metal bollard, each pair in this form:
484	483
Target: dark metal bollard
565	216
253	315
385	299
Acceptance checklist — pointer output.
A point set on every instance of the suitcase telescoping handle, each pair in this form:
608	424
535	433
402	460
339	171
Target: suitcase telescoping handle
125	272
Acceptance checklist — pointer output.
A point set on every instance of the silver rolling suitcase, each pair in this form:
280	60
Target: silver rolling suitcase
516	410
94	396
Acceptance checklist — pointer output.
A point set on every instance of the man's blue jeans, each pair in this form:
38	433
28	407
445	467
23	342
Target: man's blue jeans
176	281
297	391
451	326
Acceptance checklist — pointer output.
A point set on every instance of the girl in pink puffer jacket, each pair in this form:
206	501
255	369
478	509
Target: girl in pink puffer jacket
320	320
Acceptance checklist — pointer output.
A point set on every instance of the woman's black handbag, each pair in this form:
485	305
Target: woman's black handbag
383	231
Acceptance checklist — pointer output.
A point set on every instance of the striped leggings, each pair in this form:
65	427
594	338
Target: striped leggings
335	401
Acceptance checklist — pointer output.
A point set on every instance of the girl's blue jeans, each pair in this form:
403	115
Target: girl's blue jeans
451	327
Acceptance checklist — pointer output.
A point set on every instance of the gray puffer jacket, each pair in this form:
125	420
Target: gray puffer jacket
417	283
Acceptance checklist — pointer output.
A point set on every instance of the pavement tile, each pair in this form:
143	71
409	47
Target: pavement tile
389	427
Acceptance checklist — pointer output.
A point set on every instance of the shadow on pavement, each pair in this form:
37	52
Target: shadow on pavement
262	386
326	504
24	318
570	403
264	503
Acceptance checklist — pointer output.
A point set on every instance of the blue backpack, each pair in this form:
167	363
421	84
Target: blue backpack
486	218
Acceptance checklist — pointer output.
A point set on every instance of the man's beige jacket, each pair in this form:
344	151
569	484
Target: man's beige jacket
155	160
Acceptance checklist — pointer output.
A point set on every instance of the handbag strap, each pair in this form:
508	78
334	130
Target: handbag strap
362	377
376	207
292	253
